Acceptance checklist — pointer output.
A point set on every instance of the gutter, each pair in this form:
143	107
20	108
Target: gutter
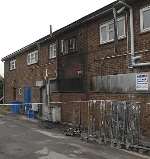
18	52
131	26
110	8
64	29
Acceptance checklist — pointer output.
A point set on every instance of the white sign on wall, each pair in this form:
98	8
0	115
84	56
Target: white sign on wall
142	82
39	83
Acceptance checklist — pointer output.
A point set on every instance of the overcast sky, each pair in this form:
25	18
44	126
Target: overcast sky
25	21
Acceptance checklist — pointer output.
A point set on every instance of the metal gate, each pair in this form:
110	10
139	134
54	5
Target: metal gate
117	122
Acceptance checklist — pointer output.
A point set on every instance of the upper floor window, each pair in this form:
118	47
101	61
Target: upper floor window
52	51
32	57
12	64
72	44
107	30
68	45
64	47
145	19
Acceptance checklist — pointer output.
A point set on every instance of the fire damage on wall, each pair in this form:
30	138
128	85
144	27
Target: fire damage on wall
99	85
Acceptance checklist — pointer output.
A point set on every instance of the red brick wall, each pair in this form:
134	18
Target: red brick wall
89	55
70	64
27	75
118	64
71	103
143	99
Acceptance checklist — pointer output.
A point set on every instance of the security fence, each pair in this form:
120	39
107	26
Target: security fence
116	122
107	121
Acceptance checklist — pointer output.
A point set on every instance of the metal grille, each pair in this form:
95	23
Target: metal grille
117	122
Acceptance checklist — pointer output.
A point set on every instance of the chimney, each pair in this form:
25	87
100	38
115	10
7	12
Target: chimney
50	29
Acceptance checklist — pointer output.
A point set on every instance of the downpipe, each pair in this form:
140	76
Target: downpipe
133	57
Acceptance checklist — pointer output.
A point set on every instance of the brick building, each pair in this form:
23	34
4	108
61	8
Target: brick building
83	61
1	89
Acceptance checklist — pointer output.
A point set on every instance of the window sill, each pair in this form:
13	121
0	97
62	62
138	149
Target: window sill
32	64
12	69
112	41
70	53
143	32
53	58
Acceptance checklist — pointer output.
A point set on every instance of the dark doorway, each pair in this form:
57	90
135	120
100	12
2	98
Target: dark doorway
14	93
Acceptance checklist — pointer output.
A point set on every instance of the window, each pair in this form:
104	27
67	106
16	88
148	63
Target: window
12	64
107	30
64	47
32	57
72	44
52	51
68	45
145	19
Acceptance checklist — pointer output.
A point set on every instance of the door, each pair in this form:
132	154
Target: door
45	109
14	93
27	97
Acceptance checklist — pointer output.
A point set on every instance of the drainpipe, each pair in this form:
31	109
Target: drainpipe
115	30
131	26
49	80
47	88
133	57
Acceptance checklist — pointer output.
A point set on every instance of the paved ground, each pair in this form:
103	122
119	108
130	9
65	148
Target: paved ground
21	139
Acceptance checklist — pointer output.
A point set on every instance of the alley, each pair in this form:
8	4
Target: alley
20	139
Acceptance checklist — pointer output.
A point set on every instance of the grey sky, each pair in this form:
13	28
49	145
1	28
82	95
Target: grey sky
24	21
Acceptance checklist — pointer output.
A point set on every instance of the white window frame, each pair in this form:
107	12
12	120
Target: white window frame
64	47
52	50
107	24
73	42
142	19
32	57
13	64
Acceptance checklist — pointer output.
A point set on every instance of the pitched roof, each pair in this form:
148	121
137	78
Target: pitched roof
83	20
